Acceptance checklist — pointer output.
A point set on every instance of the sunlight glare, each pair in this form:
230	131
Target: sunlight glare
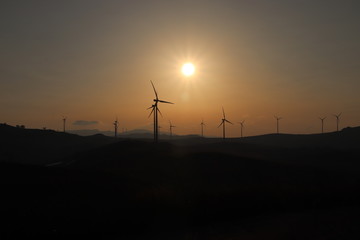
188	69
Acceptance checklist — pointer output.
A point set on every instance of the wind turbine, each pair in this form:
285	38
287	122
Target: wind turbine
155	111
64	123
202	124
277	123
116	124
322	124
337	121
171	127
223	122
242	126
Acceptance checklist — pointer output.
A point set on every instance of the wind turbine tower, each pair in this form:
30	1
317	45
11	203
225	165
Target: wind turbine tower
64	123
277	123
322	124
223	122
242	127
116	125
337	121
155	110
171	127
202	124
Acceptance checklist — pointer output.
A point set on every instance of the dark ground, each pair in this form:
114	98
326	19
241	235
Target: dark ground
204	190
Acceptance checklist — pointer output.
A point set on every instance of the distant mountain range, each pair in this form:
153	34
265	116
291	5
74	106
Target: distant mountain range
37	146
135	133
346	138
89	132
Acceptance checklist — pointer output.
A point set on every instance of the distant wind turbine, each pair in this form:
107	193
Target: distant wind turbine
202	124
322	124
64	123
116	125
242	126
223	122
155	111
277	123
171	127
337	121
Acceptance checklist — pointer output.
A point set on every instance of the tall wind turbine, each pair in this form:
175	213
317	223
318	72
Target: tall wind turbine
64	123
223	122
116	125
322	124
171	127
152	112
242	126
337	121
202	124
155	111
277	123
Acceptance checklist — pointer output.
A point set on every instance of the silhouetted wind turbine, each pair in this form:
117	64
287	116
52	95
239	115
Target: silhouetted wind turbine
337	121
64	123
116	124
202	124
322	124
155	111
223	121
277	123
171	127
242	126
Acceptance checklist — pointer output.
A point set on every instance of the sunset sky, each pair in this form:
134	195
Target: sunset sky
92	61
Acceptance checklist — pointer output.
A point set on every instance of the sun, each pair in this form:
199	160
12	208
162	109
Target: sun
188	69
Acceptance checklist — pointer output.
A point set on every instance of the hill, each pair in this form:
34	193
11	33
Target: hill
35	146
344	139
195	188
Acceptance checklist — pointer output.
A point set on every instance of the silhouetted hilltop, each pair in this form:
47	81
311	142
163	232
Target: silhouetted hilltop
344	139
35	146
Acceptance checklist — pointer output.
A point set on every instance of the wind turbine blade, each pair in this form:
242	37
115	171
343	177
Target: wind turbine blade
150	107
229	122
165	102
160	112
222	122
151	112
154	90
223	112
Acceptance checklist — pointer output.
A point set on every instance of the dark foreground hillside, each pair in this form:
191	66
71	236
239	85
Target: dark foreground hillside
43	147
141	190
